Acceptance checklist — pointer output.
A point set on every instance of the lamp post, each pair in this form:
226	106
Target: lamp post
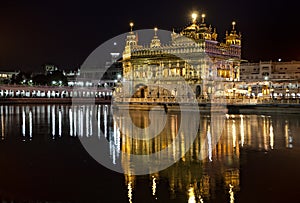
287	93
272	93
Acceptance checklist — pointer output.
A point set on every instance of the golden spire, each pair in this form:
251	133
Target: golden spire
203	18
194	17
131	26
233	25
155	42
155	31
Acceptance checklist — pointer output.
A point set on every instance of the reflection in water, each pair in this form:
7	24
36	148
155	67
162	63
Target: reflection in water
204	170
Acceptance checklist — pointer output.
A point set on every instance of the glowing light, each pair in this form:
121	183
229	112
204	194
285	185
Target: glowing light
59	123
81	122
53	121
87	122
242	131
209	143
71	121
131	26
105	121
153	185
30	124
99	121
233	25
75	122
91	122
3	125
194	17
23	122
231	193
271	137
129	187
191	195
233	134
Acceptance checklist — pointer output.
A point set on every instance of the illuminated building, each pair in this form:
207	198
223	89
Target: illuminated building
270	70
6	76
194	55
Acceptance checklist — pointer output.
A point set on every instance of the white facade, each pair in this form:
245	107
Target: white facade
270	71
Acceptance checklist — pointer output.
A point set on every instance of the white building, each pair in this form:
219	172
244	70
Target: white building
270	71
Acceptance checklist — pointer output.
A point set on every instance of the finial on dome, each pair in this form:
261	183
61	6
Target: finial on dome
233	25
131	26
194	17
203	17
155	31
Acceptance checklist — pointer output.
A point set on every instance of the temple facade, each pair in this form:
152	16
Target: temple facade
194	57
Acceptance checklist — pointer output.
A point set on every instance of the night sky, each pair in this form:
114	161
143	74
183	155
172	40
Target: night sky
66	32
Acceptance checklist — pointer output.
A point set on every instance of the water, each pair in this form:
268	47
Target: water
256	158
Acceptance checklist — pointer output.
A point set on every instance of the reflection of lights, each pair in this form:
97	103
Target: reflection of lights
87	122
242	131
191	195
3	125
91	122
59	123
105	121
23	122
153	185
30	124
271	137
233	134
265	131
286	133
71	122
209	143
231	193
200	199
75	121
53	120
98	117
129	187
81	122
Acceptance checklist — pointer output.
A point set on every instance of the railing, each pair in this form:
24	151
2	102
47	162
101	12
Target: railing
233	101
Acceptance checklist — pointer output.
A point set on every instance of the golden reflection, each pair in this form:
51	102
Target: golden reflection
191	195
195	174
271	136
130	182
231	193
242	131
3	124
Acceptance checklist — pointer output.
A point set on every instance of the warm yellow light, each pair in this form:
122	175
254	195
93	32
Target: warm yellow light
194	17
155	29
233	23
131	26
203	15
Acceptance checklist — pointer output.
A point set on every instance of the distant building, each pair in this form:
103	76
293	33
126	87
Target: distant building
6	76
72	77
49	68
113	73
276	71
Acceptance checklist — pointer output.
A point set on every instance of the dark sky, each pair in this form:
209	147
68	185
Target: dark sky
66	32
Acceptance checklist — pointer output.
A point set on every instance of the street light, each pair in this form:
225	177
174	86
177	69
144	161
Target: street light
287	92
272	93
